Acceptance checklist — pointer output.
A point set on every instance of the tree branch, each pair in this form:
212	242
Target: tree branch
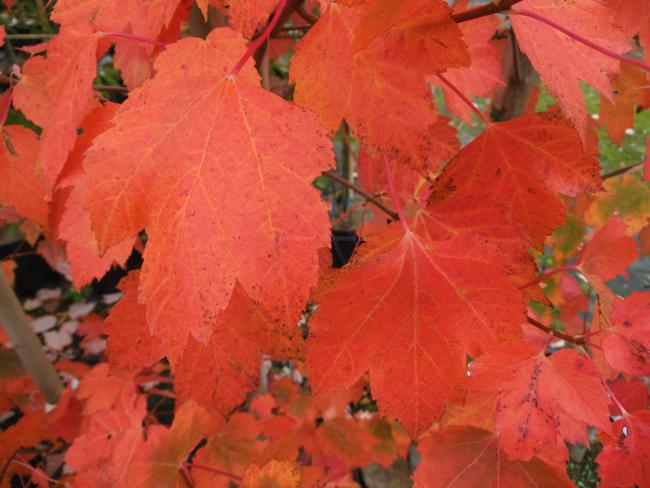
621	171
26	343
28	37
371	198
482	11
111	88
577	340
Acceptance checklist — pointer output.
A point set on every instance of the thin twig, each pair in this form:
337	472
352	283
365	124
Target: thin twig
111	88
547	275
621	171
371	198
6	80
42	16
289	28
28	37
578	341
482	11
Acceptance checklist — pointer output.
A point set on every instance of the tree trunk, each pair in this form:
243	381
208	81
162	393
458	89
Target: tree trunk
26	343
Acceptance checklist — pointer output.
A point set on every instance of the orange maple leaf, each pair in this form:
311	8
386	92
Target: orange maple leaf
229	206
429	307
56	93
22	186
521	165
562	62
541	399
376	79
466	457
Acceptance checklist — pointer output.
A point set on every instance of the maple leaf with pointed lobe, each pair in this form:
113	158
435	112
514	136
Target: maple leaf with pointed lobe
375	65
631	16
159	464
440	220
73	225
56	93
81	246
22	186
97	121
541	399
130	346
563	62
625	341
145	19
632	394
464	456
625	458
179	148
24	433
626	195
229	363
231	449
111	437
609	252
428	308
631	88
344	438
521	165
245	16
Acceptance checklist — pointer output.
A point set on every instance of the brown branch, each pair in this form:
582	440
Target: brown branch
28	37
621	171
299	27
371	198
4	80
482	11
111	88
577	340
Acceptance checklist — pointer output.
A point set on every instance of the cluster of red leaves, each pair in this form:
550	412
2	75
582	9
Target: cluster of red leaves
431	311
112	440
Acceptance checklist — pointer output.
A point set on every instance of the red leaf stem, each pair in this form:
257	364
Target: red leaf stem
579	38
546	275
393	194
466	100
254	45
